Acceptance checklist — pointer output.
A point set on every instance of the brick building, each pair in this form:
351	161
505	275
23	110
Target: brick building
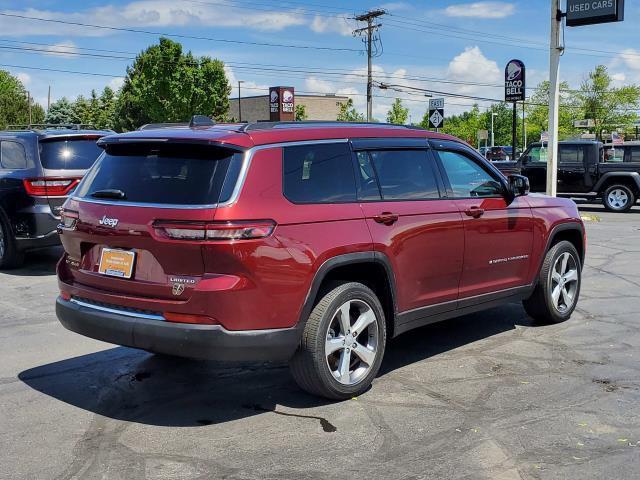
318	107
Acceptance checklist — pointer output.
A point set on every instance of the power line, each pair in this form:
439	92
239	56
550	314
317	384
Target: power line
175	35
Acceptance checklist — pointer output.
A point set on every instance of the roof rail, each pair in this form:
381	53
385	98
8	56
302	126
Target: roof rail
52	126
157	126
267	125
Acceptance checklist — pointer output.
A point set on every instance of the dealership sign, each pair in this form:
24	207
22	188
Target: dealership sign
514	81
589	12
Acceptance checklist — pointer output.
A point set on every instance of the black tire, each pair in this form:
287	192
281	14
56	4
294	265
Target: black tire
540	306
310	367
614	203
10	256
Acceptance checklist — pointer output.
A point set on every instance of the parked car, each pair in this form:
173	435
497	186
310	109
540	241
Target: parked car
501	153
483	151
586	169
313	243
38	168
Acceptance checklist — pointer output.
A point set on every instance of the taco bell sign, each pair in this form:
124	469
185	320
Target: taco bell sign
281	104
514	81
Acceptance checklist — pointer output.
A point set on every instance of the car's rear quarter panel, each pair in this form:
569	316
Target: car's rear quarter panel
280	270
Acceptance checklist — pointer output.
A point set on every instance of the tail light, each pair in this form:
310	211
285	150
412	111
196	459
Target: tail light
69	219
203	231
50	186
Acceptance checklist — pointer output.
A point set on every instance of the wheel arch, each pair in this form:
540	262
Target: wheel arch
372	269
572	232
629	179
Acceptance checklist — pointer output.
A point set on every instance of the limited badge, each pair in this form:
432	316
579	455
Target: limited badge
177	289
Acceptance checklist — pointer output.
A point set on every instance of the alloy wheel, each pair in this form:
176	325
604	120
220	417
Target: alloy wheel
351	345
564	282
618	198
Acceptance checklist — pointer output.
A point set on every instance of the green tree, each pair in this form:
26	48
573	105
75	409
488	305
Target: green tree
537	112
107	109
348	113
397	114
14	103
609	107
164	84
62	112
464	126
301	113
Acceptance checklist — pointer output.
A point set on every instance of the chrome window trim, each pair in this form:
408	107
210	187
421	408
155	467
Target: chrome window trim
246	163
125	313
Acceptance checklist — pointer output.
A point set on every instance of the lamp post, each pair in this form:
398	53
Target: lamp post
239	101
493	143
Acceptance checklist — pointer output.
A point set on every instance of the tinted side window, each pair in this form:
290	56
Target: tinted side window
404	174
467	178
12	155
537	155
570	154
634	154
319	173
614	155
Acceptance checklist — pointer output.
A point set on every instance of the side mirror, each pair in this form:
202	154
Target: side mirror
519	185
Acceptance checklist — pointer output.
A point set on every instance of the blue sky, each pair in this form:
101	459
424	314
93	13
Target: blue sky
445	45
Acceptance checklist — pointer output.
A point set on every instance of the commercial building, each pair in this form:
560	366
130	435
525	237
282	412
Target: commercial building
259	108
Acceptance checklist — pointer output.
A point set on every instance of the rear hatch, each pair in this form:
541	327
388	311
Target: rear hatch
65	159
134	222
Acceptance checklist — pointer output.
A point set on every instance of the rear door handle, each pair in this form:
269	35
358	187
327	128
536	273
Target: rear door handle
386	218
475	212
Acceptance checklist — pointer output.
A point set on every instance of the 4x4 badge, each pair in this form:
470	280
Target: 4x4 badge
177	288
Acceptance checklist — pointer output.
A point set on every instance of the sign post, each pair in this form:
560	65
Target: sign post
579	12
515	86
436	113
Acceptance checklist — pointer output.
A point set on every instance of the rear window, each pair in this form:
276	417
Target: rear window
69	153
168	174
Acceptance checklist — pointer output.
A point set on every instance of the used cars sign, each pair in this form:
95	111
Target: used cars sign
588	12
514	81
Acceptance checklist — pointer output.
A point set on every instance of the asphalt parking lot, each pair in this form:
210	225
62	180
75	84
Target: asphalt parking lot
483	396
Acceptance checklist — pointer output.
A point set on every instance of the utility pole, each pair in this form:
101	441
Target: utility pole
369	29
239	102
555	51
29	103
493	138
49	99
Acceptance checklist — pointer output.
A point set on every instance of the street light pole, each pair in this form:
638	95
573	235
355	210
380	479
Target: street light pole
239	101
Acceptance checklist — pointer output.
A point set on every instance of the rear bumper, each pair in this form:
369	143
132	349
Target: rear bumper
39	228
184	340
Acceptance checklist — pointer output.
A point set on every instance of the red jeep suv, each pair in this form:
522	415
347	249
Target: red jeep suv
308	242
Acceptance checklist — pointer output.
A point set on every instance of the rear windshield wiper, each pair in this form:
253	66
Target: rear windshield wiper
110	193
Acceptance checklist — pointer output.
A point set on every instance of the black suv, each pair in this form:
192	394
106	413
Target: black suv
586	169
38	169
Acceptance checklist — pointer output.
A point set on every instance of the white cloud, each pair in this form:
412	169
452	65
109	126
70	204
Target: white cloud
148	13
481	10
618	77
471	65
63	49
339	24
25	78
248	87
631	58
116	83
